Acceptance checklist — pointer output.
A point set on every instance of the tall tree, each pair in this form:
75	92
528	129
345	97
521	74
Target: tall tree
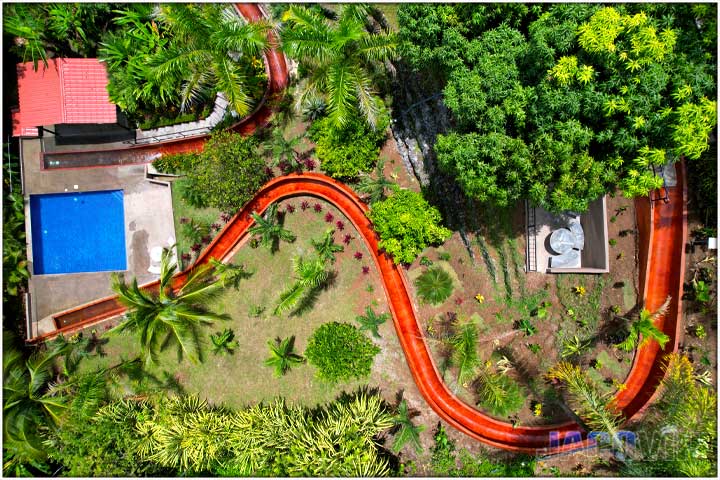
341	55
170	315
270	228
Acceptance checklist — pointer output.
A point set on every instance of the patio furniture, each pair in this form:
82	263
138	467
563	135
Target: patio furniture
566	260
562	240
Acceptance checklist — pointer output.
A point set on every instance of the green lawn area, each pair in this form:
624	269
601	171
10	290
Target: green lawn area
242	378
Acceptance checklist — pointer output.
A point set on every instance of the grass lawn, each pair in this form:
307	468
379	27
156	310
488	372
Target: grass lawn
242	378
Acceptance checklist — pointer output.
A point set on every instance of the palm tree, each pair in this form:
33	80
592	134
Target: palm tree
375	188
210	49
341	56
594	408
283	150
645	327
464	343
434	286
282	358
309	275
371	321
229	274
326	247
224	342
170	315
407	431
270	229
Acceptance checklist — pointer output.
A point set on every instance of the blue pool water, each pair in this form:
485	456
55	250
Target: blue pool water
78	232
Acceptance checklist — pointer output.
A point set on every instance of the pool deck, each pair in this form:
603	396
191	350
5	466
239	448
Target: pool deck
148	223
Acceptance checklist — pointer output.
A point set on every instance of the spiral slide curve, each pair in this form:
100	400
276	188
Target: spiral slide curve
663	271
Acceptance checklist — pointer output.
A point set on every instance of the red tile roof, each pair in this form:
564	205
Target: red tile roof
70	90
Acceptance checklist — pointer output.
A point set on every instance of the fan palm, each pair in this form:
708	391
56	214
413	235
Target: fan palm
309	275
407	432
270	229
645	327
326	247
371	321
284	150
341	56
375	188
208	48
170	315
282	358
434	286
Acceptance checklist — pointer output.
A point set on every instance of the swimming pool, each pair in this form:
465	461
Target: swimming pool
78	232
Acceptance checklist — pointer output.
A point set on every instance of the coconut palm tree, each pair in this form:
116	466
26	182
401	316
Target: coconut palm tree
341	56
326	247
309	276
371	321
645	327
210	49
282	358
270	229
406	430
170	315
375	188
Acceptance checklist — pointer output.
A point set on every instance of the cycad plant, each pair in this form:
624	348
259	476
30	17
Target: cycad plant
645	327
464	345
406	430
229	274
434	286
310	274
341	55
224	342
326	247
170	315
282	358
371	321
270	229
375	188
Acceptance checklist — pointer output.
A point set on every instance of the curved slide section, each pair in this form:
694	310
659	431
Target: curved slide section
665	267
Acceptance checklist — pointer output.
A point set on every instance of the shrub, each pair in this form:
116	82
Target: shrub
229	171
347	152
175	162
407	224
340	352
434	286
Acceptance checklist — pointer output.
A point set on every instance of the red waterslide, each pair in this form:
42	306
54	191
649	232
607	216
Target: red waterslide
665	267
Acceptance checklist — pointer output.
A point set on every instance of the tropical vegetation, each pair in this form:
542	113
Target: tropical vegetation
434	285
341	56
282	358
645	327
269	227
311	274
371	321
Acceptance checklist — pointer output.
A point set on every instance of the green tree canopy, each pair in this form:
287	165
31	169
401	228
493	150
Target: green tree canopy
340	351
562	103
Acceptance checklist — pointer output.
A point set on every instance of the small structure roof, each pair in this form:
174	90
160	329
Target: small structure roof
69	90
